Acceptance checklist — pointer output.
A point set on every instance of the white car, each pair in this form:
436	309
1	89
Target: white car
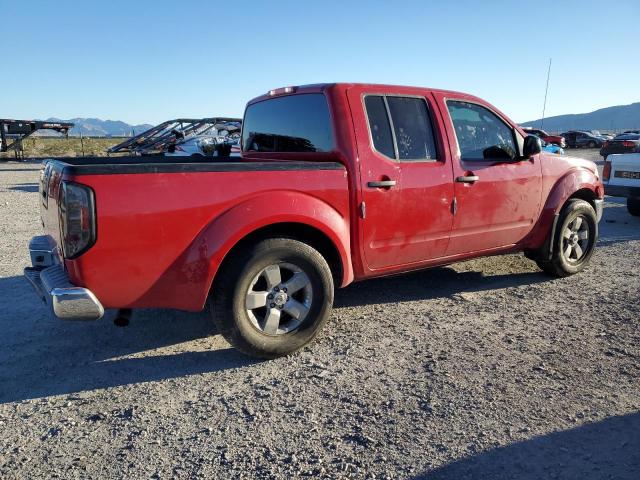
621	178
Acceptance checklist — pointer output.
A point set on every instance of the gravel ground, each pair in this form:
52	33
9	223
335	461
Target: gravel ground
484	369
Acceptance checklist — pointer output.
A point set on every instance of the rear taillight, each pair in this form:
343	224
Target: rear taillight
628	144
606	171
77	219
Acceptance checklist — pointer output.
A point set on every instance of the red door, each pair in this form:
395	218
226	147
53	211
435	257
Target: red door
497	198
406	178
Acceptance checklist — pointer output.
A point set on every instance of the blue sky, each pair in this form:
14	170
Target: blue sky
147	61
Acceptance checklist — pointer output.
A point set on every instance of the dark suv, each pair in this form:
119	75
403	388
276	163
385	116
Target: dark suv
576	139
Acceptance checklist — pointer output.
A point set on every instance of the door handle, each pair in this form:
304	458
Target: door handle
468	179
382	184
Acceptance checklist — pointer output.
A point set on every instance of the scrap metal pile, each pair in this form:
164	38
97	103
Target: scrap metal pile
167	137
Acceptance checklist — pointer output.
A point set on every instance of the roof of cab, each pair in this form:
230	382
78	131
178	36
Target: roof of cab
321	87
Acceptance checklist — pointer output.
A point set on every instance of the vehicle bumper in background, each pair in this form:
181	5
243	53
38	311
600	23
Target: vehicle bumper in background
621	191
51	283
599	206
605	152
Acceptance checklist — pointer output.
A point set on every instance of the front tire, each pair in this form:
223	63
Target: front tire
574	240
633	206
273	299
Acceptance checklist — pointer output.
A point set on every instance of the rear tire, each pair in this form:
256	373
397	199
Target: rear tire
633	206
273	299
574	240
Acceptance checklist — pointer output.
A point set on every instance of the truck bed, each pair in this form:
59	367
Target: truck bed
160	222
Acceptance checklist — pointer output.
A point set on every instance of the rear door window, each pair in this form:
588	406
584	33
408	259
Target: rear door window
412	128
401	127
295	123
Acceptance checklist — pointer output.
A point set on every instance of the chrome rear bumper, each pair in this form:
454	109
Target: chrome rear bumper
51	283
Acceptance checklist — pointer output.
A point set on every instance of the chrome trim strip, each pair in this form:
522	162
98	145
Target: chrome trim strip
599	207
552	236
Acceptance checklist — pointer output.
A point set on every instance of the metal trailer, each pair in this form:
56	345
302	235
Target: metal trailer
157	139
18	130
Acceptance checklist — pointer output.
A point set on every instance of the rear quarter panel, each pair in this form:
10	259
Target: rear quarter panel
161	236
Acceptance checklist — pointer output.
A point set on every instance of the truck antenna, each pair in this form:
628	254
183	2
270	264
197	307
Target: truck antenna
544	105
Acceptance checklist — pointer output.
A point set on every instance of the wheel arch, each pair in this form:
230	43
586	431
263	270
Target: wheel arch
295	215
586	194
302	232
578	183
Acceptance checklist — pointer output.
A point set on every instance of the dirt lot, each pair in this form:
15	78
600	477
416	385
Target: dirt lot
485	369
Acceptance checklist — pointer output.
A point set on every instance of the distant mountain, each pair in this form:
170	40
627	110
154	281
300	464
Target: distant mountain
620	117
95	127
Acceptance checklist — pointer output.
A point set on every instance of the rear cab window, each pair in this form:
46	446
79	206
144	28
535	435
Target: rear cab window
293	123
400	127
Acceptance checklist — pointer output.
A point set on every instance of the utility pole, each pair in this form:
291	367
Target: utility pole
546	90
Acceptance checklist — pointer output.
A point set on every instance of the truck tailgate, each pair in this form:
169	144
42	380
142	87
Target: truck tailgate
49	193
625	169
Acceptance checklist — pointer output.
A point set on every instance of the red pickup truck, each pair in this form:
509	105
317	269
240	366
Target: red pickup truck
336	183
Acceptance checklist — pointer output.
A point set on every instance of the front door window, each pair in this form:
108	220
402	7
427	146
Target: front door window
481	134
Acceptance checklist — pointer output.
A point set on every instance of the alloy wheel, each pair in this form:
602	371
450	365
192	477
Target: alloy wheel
279	299
575	239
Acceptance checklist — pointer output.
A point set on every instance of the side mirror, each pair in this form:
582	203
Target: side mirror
532	146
